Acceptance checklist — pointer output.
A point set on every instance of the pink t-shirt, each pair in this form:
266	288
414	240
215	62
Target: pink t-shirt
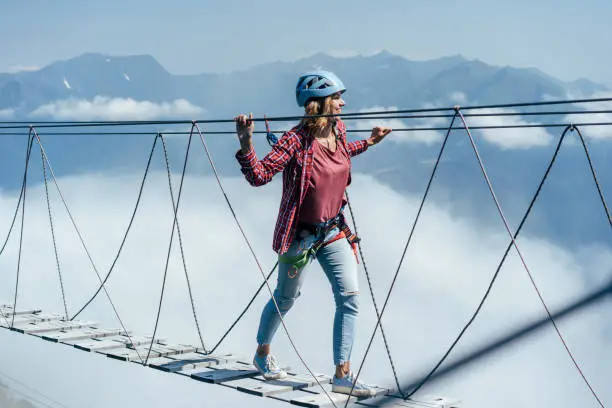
326	186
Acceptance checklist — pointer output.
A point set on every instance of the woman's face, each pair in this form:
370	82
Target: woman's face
337	103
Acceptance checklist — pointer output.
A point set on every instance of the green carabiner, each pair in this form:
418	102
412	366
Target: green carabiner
297	261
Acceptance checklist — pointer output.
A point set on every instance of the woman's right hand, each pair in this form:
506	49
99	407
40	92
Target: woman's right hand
244	129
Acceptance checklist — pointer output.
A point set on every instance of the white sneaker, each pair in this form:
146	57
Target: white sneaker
268	367
345	384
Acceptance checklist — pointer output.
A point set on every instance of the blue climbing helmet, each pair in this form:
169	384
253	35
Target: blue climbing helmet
317	84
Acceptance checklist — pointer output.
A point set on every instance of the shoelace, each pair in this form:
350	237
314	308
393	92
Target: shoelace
358	384
271	363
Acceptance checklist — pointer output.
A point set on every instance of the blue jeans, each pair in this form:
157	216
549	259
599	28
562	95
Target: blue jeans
338	262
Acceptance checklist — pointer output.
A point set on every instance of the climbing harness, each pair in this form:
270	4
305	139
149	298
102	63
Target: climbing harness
319	232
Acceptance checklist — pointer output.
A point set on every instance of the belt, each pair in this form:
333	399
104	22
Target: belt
318	229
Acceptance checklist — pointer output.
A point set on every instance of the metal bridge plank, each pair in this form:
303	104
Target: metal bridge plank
49	326
248	383
159	361
157	350
92	344
292	382
138	354
190	361
166	350
63	326
81	334
321	400
291	395
107	343
29	318
180	348
260	388
226	372
8	309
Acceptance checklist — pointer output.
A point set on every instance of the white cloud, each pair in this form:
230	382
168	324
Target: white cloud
19	68
510	138
458	97
445	273
106	108
422	136
593	132
7	113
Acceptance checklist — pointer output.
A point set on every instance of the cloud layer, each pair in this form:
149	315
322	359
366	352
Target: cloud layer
425	136
594	132
446	271
513	137
7	113
509	138
106	108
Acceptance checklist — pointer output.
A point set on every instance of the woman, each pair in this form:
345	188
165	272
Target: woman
315	159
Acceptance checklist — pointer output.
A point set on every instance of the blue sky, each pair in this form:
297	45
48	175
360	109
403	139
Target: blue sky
564	38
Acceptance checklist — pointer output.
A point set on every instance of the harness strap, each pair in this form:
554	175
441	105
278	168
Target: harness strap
353	244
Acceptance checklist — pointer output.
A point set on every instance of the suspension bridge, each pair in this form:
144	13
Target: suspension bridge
304	387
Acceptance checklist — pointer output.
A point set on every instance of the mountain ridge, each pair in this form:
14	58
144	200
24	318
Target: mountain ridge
383	79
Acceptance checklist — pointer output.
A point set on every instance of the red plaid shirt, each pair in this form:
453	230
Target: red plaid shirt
292	155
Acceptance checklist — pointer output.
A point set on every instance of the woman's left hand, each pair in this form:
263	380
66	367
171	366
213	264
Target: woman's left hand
378	134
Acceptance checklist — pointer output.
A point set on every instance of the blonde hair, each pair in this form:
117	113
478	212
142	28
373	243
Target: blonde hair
319	106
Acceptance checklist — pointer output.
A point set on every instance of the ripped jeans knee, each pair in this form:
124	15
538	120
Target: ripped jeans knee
285	303
348	302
